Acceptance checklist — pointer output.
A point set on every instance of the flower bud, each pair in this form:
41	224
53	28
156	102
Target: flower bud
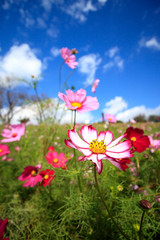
146	205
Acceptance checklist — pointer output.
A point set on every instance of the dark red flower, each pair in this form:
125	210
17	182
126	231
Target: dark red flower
50	149
48	176
139	141
3	225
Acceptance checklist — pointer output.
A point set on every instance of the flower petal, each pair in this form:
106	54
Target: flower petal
88	133
108	138
76	140
116	141
121	147
126	154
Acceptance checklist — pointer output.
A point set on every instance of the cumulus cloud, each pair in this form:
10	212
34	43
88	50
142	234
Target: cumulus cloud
19	62
53	31
115	105
115	59
138	110
88	65
151	43
62	115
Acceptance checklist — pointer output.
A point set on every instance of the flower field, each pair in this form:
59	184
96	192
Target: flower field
49	189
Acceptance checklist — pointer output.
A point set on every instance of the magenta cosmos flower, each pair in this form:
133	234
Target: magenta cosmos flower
96	147
56	160
95	85
48	176
78	101
31	176
69	58
13	133
154	144
3	225
111	118
4	150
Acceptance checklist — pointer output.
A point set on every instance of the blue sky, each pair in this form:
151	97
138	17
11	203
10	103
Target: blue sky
118	42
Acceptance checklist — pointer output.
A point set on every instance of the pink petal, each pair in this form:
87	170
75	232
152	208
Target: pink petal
116	164
121	147
116	141
69	143
101	136
126	154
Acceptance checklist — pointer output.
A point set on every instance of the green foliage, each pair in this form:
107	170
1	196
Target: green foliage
69	210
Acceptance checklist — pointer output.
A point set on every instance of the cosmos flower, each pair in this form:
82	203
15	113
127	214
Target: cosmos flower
154	144
96	147
48	176
95	85
31	176
56	160
50	149
4	150
13	133
3	225
111	118
139	141
78	101
69	58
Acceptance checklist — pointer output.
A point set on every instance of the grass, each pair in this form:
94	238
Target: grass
61	210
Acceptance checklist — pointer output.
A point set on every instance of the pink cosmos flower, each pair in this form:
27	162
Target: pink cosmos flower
30	176
111	118
3	225
95	85
48	176
96	147
56	160
4	150
17	148
132	121
13	133
154	144
78	101
69	58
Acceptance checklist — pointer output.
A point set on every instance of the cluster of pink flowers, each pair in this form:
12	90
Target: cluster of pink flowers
78	101
69	57
96	147
32	174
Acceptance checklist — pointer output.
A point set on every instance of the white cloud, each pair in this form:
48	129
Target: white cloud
55	51
112	52
47	4
138	110
115	105
62	115
88	65
41	23
20	62
102	1
53	31
26	18
116	61
151	43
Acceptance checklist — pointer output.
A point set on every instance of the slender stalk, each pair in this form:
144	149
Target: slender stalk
74	123
109	213
60	70
64	84
140	231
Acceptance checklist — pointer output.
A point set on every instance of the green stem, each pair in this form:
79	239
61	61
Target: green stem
74	123
65	82
60	70
140	231
109	213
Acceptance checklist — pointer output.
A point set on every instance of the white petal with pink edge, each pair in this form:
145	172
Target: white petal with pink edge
116	141
88	133
116	164
77	140
126	154
108	138
121	147
101	136
69	144
86	152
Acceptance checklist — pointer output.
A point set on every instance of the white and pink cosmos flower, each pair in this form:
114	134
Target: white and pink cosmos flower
96	147
69	58
78	101
95	85
13	133
154	144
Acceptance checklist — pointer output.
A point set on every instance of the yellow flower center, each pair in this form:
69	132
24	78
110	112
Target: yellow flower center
55	160
110	119
133	139
1	150
33	172
67	60
76	104
46	176
98	146
14	135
